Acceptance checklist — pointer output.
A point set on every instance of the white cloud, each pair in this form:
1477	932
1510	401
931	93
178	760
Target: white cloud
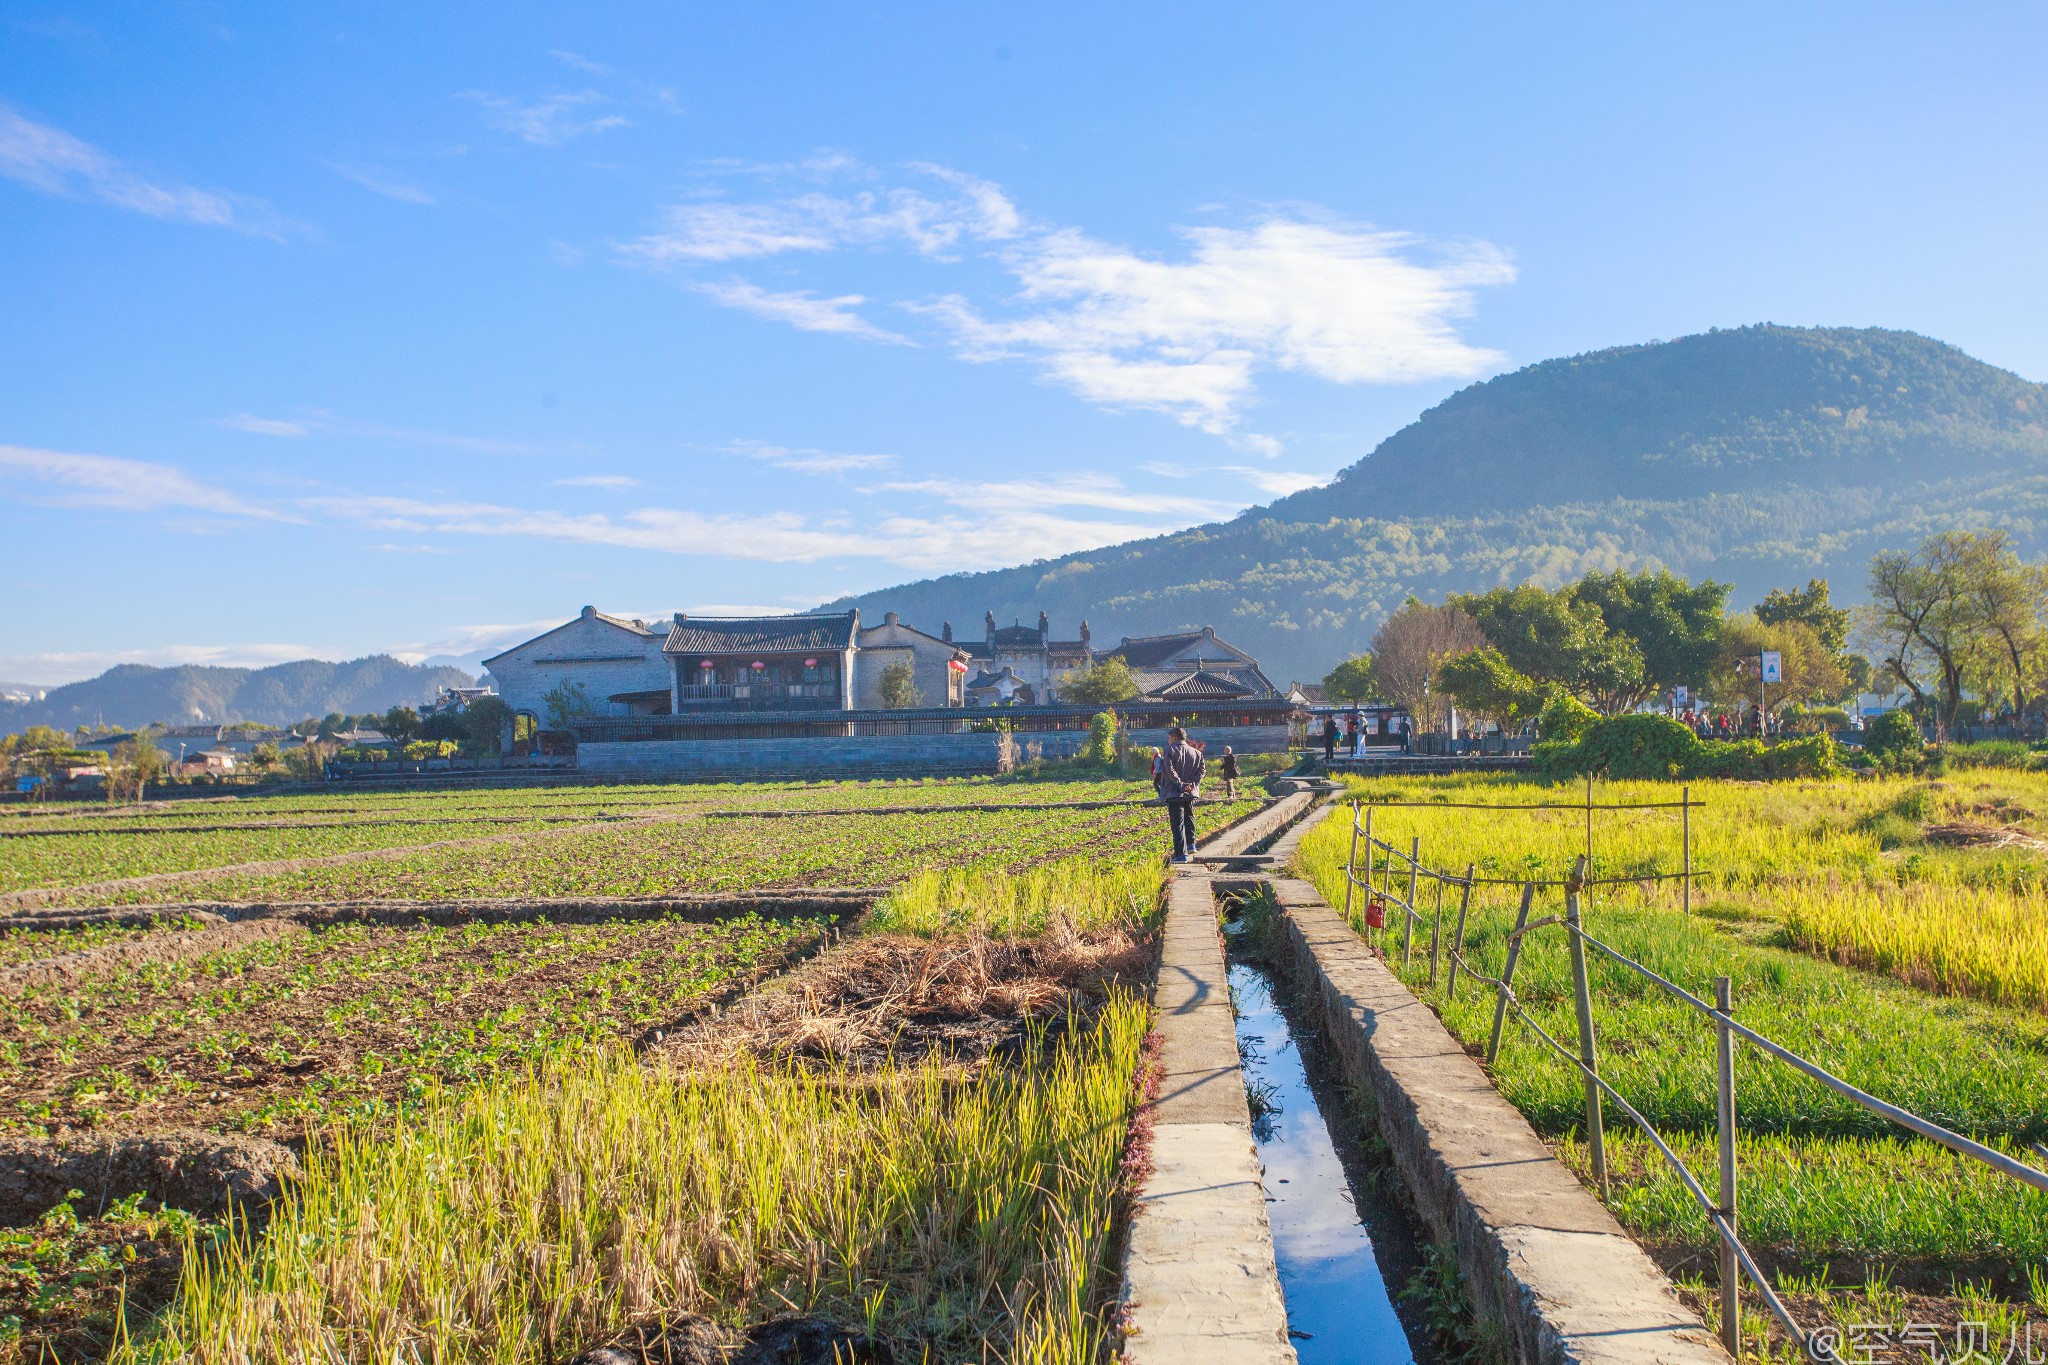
53	161
126	485
1187	337
328	424
813	461
802	311
599	481
967	209
1349	305
578	62
925	544
1100	491
377	182
548	122
1279	482
265	426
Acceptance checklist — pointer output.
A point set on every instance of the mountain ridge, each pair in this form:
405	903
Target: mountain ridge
1760	455
129	695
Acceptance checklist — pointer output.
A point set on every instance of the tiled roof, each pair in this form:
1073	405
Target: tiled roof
760	634
637	627
1013	636
1202	686
1147	651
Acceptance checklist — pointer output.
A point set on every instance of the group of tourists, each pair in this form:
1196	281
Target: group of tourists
1717	725
1396	725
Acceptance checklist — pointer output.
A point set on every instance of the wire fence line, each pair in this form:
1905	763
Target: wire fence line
1736	1260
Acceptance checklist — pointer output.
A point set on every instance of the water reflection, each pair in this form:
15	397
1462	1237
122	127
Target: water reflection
1337	1302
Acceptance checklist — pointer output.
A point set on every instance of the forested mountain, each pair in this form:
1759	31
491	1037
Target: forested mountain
136	694
1763	456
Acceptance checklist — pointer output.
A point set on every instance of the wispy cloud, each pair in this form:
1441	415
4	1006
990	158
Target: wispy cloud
551	121
576	61
599	481
959	210
1100	491
923	544
800	310
53	161
68	480
1279	483
1186	335
326	423
265	426
813	461
378	182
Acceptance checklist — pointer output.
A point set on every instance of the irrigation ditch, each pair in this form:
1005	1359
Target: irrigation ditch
1507	1256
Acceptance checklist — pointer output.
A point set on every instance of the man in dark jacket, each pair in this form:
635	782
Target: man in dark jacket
1329	738
1180	782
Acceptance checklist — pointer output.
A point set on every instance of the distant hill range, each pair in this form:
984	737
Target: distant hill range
136	694
1760	456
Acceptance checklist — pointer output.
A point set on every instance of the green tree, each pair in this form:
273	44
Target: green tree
2008	603
1809	606
1549	637
1351	680
1675	624
1101	745
1104	683
1923	622
483	723
899	686
401	722
1811	671
1482	682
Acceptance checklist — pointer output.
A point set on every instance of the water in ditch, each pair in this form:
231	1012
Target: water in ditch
1337	1240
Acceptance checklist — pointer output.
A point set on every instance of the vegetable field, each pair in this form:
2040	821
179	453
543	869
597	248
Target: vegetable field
524	1134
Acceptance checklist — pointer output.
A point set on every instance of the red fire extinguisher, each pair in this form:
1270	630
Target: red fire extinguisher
1376	913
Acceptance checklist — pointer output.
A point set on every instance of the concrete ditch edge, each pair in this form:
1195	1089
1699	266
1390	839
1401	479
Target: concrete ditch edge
1542	1258
1200	1281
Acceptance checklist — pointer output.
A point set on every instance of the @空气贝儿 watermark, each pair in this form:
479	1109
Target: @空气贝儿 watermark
1966	1343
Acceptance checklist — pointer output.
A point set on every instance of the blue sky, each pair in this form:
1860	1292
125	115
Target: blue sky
334	329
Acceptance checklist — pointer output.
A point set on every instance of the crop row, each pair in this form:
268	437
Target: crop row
709	855
580	799
35	863
1975	1067
350	1020
1944	885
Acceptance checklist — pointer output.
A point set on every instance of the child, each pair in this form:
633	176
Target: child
1229	774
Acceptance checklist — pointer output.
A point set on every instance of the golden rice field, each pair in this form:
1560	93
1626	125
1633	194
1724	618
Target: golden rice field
1941	882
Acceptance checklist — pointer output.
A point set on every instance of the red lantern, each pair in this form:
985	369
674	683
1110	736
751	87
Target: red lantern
757	665
810	663
1376	913
707	664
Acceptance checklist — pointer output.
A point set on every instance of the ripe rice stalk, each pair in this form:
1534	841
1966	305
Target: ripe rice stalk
542	1215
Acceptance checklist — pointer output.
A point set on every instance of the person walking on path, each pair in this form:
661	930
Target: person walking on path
1351	733
1229	767
1329	738
1180	783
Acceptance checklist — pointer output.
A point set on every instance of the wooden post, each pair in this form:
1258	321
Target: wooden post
1589	825
1351	864
1582	994
1436	931
1685	826
1458	937
1408	917
1507	976
1724	1095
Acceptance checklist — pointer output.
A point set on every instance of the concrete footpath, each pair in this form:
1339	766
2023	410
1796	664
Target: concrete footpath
1200	1283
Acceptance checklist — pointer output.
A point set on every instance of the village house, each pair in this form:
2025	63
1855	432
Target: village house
602	667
